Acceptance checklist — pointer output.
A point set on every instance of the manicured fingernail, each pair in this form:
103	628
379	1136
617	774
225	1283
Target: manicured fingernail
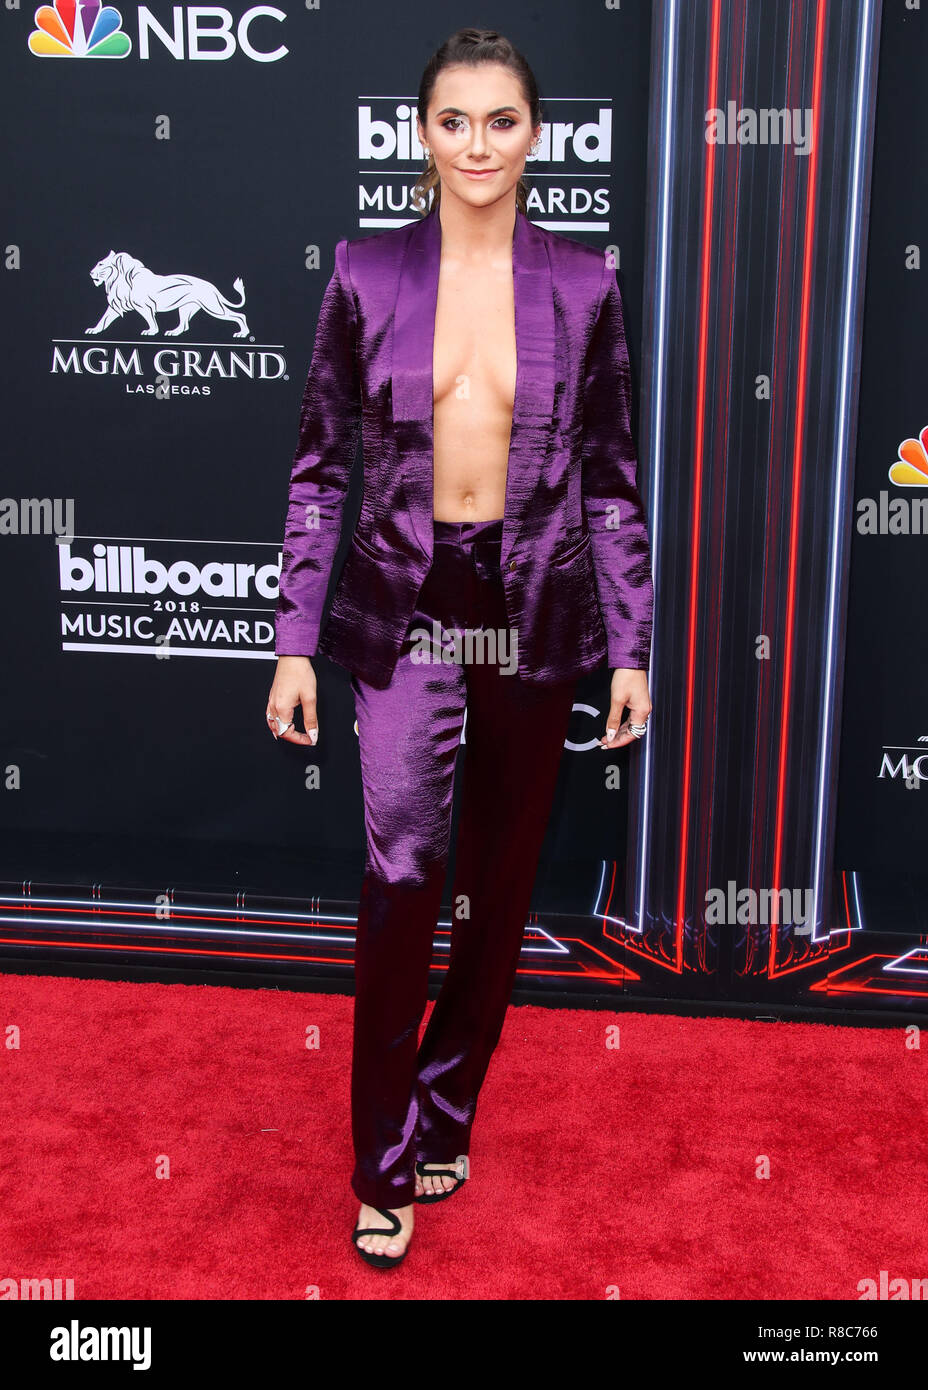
610	734
313	735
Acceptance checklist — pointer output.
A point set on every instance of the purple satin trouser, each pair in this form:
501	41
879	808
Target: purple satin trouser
408	1104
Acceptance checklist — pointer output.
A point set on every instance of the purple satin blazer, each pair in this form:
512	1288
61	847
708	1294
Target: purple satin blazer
575	556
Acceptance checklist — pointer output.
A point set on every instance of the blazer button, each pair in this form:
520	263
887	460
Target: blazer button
512	564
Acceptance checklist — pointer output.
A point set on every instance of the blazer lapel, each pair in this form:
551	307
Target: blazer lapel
412	386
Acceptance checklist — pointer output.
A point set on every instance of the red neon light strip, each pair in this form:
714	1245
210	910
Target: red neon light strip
830	984
705	259
148	914
799	434
159	949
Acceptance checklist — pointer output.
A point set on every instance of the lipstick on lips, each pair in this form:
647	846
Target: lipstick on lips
479	173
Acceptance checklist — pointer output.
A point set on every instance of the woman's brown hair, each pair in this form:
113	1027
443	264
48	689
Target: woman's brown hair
472	46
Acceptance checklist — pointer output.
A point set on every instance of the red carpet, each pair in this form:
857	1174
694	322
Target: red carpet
591	1168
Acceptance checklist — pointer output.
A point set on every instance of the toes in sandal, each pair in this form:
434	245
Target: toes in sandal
380	1261
442	1171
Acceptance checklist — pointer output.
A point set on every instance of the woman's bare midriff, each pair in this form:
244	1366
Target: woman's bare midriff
474	378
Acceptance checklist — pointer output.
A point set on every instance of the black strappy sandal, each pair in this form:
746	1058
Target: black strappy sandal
438	1170
380	1261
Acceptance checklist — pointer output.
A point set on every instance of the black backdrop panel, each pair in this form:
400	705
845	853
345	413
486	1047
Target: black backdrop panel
197	159
883	820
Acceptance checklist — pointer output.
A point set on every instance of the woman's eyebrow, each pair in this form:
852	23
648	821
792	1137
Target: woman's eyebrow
454	111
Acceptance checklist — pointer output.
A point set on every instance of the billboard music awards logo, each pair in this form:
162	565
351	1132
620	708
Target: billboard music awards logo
569	175
168	597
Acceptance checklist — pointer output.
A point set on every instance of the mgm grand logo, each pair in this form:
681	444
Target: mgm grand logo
908	766
167	305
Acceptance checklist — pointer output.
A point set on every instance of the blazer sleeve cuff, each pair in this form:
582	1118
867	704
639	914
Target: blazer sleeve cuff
628	658
295	637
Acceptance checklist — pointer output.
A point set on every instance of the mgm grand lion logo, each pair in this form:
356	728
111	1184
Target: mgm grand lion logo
131	285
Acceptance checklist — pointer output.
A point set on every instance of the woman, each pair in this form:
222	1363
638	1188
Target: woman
500	552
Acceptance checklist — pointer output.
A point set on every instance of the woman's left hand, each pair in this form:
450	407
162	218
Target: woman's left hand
628	688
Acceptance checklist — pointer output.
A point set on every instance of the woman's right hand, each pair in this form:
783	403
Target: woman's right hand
294	684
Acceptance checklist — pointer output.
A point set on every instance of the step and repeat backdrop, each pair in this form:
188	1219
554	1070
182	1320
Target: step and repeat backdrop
177	178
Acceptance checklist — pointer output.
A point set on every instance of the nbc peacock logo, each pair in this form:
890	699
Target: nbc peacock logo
79	29
911	467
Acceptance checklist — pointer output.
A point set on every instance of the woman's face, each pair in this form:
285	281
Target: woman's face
478	119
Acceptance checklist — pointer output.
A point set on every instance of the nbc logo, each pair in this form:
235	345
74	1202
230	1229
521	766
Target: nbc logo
79	29
892	514
911	468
